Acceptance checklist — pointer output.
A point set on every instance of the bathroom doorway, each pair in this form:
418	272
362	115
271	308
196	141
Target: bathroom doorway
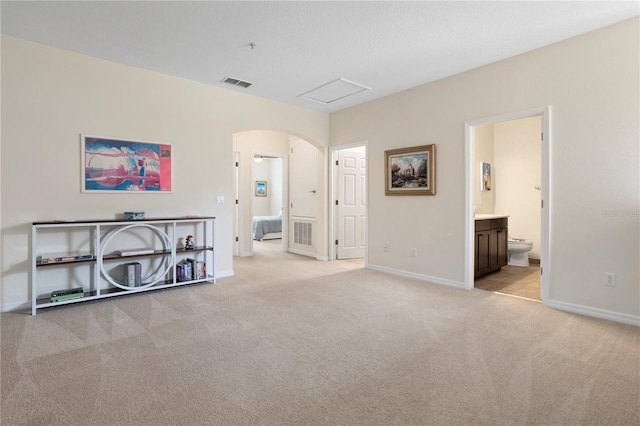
515	149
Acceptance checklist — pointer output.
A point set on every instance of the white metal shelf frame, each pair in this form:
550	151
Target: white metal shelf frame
98	243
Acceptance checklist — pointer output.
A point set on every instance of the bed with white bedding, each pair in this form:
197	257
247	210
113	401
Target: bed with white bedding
267	227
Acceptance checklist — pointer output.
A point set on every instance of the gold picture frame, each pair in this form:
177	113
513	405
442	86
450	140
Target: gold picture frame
410	171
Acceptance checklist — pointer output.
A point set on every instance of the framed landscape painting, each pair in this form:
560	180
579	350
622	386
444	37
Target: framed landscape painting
115	165
410	171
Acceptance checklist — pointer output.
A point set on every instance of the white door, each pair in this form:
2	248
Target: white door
303	179
352	201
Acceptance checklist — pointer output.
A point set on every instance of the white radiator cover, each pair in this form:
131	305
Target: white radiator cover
303	233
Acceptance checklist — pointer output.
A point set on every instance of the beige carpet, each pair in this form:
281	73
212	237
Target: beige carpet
294	341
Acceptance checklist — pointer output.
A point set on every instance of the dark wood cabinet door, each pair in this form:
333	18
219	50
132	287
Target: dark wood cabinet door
502	256
491	244
483	253
493	250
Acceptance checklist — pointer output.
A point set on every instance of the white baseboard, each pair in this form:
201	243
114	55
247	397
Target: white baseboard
421	277
594	312
16	306
555	304
302	252
224	274
322	258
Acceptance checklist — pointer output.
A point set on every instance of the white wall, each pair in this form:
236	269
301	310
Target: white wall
517	159
50	96
592	84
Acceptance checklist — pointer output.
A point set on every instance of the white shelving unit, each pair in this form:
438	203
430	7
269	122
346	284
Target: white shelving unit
101	275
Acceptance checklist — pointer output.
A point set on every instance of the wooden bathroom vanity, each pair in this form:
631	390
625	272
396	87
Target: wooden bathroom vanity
491	243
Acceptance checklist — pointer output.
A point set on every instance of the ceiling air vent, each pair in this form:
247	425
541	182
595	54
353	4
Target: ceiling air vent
236	82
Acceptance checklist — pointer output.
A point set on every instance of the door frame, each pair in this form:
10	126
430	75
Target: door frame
236	208
333	194
284	170
546	194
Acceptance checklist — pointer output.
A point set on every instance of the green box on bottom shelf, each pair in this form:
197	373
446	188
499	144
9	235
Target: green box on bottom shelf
67	297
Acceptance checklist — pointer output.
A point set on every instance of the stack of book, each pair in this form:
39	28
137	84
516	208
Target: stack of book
190	269
133	274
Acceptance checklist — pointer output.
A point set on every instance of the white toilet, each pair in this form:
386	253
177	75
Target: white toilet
518	251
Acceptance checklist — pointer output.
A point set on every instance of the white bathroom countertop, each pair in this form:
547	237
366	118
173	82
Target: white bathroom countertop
482	216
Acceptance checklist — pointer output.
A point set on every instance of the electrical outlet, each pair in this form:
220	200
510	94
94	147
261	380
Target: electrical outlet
610	279
414	252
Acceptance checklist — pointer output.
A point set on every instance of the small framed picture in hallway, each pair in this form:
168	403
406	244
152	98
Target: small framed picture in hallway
410	171
261	188
485	177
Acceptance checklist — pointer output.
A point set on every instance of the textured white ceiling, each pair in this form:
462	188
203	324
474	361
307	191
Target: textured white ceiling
387	46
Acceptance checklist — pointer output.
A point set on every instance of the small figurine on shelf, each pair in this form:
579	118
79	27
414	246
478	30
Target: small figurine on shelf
188	244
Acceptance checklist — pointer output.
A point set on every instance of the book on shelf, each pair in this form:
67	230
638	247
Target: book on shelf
135	251
203	269
138	274
133	274
190	270
72	293
64	258
179	272
197	268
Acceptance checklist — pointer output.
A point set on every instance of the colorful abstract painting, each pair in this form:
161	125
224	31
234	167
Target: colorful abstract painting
119	165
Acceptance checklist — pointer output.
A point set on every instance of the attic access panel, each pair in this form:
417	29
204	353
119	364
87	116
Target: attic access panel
333	91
